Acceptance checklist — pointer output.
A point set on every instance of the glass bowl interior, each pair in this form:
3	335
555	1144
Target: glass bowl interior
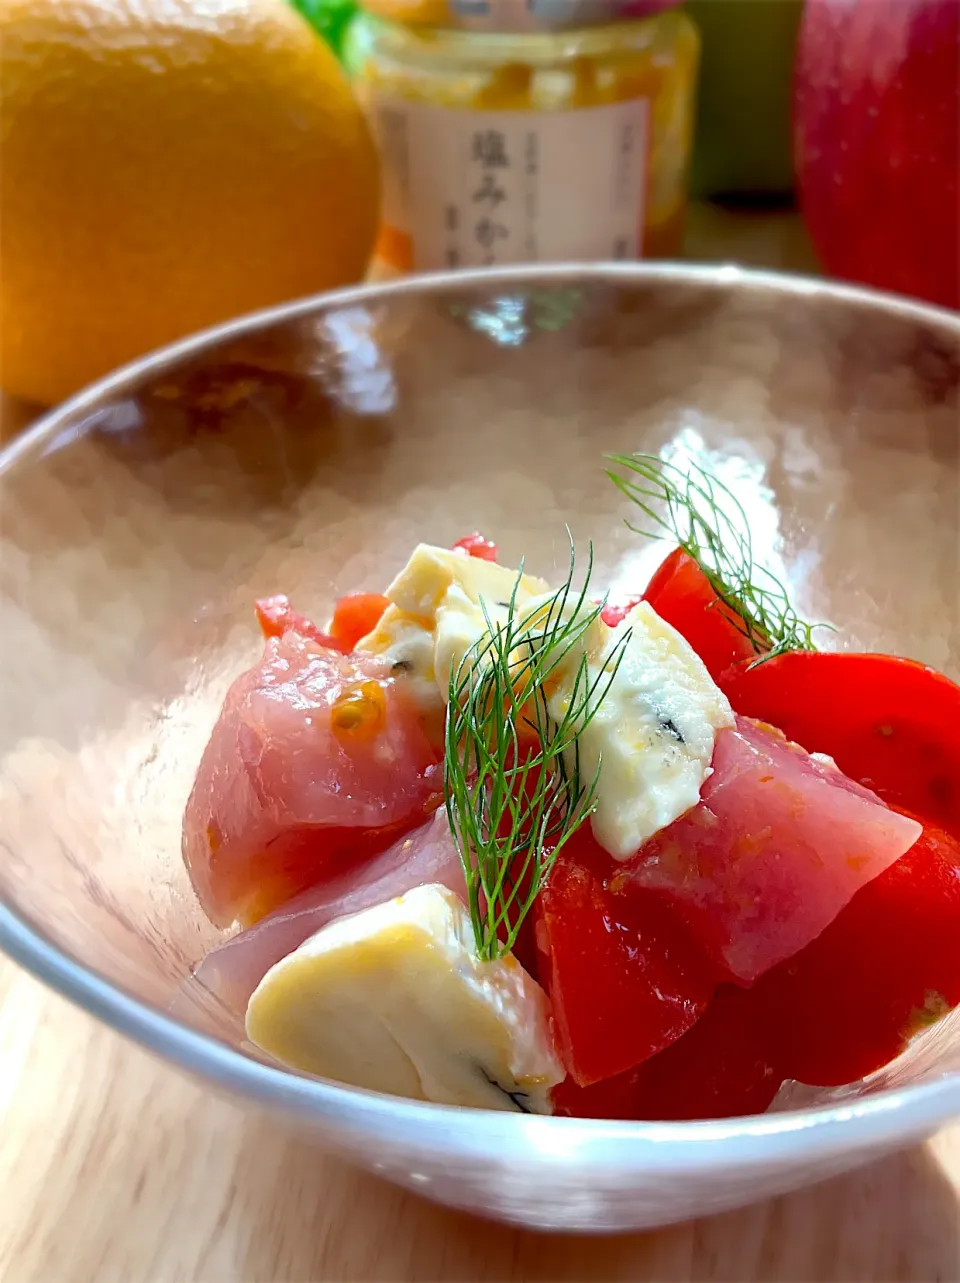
306	451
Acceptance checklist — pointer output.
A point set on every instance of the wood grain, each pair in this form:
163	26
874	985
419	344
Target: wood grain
114	1167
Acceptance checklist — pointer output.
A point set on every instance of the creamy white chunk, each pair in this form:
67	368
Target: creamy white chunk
394	999
437	612
652	734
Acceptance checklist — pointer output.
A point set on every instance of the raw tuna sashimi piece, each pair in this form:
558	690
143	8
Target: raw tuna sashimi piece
778	844
318	761
624	977
232	971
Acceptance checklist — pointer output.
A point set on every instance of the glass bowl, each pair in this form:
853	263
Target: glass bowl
305	450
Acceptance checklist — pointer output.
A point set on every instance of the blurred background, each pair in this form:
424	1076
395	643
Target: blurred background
168	164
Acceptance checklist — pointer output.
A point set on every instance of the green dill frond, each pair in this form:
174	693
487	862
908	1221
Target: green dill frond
708	522
514	790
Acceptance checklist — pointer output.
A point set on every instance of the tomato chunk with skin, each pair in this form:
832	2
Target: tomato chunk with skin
888	965
891	723
719	1069
682	594
623	976
479	546
318	761
356	615
777	845
276	616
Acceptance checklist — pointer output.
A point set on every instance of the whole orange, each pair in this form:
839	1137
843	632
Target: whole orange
164	165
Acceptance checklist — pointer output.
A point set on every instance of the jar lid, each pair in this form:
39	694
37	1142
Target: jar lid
515	15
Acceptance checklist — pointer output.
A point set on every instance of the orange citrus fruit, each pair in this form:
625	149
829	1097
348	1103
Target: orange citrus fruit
166	164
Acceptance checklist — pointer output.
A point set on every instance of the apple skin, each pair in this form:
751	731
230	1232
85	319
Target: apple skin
877	106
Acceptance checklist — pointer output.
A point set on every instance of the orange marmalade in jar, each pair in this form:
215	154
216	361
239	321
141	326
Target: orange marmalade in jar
510	134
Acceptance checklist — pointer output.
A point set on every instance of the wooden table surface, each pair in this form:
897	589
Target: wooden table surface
114	1167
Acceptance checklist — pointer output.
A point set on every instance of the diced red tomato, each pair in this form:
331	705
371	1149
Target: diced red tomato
777	845
891	723
318	761
477	545
888	965
356	615
719	1069
623	977
615	612
276	616
682	594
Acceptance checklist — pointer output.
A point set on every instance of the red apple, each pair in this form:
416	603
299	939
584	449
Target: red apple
877	105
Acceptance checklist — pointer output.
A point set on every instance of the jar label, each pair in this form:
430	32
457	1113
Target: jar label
465	188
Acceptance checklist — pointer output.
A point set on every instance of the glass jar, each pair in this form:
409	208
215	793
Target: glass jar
512	146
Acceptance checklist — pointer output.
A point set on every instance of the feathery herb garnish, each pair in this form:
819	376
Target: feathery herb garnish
514	791
685	506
